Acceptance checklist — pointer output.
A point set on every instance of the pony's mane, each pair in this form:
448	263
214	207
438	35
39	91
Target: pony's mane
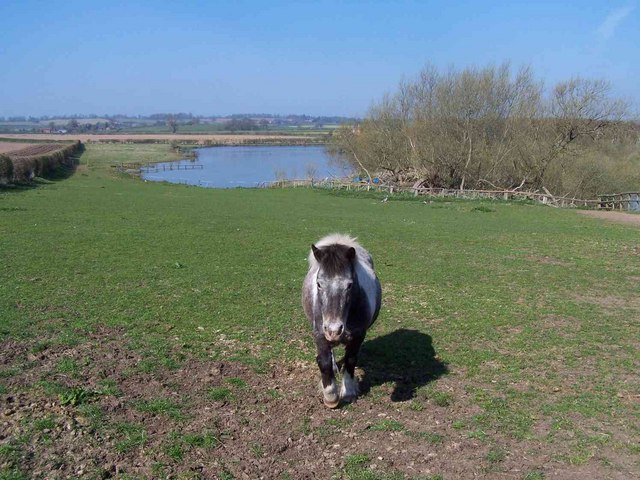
333	239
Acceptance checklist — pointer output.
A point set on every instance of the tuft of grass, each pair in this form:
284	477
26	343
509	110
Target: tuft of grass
225	474
482	208
13	474
434	438
177	443
496	455
458	424
442	399
40	347
161	406
479	434
534	475
75	396
68	366
44	423
94	416
273	393
174	448
108	387
257	450
220	394
356	468
387	425
236	382
129	436
201	440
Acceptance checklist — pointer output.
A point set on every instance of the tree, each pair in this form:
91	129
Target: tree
72	125
172	123
479	128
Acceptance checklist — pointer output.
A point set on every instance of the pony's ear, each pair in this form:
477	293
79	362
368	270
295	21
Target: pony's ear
316	252
351	254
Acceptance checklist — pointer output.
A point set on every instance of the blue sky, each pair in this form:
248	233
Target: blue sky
318	58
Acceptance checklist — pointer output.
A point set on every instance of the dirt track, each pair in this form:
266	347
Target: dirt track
618	217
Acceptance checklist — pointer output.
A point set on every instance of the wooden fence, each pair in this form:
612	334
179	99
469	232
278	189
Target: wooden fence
542	197
163	167
621	201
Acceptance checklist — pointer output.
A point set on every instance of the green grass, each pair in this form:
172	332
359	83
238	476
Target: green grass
236	382
356	468
75	396
434	438
129	436
533	309
161	406
535	475
387	426
220	394
44	423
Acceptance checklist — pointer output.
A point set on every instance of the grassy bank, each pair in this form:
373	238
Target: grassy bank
529	313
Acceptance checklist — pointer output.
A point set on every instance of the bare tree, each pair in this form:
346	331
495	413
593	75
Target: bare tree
479	127
172	123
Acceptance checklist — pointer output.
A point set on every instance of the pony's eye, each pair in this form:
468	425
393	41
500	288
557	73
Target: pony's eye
349	285
319	286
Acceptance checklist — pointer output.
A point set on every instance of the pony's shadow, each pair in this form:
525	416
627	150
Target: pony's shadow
406	357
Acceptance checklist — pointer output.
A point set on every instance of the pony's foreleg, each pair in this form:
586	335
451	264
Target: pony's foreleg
325	361
349	389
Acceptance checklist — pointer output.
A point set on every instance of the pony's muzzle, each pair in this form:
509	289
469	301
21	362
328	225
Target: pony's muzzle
333	331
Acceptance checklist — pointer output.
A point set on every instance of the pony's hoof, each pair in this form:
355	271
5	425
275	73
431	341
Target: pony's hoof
330	404
349	388
330	395
349	398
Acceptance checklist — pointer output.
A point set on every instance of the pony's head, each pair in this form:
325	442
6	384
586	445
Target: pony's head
335	284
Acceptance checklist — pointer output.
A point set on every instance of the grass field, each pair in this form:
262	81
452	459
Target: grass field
155	331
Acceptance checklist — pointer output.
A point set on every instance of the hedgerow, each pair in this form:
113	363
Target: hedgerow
25	168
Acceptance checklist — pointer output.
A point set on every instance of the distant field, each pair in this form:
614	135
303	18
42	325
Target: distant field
219	128
152	330
197	138
6	147
26	150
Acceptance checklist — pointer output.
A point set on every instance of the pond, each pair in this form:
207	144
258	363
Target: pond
229	167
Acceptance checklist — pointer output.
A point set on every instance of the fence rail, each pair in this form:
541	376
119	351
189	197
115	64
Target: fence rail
542	197
163	167
621	201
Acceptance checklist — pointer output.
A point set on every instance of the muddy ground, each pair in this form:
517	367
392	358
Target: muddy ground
212	419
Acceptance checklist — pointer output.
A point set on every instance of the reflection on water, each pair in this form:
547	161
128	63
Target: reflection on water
227	167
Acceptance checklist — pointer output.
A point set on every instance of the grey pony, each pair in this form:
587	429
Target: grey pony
341	297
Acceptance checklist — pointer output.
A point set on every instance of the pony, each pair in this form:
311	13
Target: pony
341	297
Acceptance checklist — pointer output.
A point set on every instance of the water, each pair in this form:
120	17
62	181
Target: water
228	167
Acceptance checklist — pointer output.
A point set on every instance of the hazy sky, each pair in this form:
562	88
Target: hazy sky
313	57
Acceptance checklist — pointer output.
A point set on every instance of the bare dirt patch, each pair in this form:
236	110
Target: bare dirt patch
547	260
212	419
610	302
617	217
